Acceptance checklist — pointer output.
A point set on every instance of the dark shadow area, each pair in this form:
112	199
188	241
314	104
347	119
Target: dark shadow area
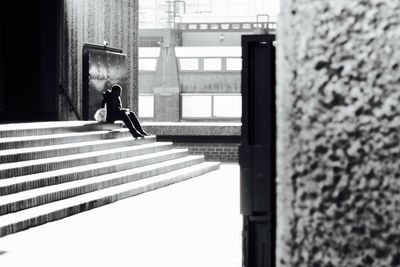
2	252
101	65
28	60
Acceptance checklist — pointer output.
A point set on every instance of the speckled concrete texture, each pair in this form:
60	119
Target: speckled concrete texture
338	164
93	21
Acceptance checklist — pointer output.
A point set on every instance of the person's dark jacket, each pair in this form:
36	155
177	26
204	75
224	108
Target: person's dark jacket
114	105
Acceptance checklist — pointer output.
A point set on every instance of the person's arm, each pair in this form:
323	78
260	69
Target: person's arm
119	103
106	99
120	106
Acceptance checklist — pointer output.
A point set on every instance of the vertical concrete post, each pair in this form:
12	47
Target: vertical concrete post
338	150
167	91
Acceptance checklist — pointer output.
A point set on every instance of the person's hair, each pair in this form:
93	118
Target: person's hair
116	88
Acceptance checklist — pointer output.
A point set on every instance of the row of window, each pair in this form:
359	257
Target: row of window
196	64
199	106
194	51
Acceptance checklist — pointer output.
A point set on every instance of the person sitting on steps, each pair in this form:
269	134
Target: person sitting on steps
116	112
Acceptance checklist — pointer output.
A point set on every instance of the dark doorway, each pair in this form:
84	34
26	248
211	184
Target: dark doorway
28	60
102	68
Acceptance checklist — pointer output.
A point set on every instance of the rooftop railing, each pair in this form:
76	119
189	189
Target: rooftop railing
230	26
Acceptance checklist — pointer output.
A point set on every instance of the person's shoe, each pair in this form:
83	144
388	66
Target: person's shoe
143	132
136	134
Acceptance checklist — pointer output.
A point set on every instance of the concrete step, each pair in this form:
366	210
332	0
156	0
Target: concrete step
63	138
41	196
8	170
56	169
31	153
38	180
18	221
53	127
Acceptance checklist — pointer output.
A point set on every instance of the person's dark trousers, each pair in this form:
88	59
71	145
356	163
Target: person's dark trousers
136	123
121	115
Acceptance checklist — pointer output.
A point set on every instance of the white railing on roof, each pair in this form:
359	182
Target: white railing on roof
226	26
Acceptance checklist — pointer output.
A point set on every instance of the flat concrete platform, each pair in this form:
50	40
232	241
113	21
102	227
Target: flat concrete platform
196	223
194	128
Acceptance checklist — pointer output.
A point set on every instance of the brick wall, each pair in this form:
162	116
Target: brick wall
217	141
226	152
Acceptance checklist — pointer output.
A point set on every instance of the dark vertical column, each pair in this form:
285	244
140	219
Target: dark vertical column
28	69
1	60
49	26
257	151
21	60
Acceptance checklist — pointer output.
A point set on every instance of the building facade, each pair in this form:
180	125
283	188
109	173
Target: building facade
41	54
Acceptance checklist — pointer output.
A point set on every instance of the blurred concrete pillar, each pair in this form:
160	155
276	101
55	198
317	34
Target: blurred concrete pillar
338	118
167	91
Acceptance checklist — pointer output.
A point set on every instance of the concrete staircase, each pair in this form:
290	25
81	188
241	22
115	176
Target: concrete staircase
52	170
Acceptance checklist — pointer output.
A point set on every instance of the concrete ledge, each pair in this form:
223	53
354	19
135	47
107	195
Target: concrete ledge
193	128
217	141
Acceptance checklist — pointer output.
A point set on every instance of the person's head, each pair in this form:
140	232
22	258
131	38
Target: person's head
116	90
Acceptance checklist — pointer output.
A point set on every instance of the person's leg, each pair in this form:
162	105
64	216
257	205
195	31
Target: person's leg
128	123
136	123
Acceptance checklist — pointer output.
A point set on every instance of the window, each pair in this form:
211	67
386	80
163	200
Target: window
147	64
233	64
211	106
146	106
212	64
246	26
196	106
225	26
203	26
192	26
214	26
236	26
189	64
227	106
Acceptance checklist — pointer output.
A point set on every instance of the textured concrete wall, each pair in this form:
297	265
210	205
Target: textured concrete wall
93	21
338	97
210	82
